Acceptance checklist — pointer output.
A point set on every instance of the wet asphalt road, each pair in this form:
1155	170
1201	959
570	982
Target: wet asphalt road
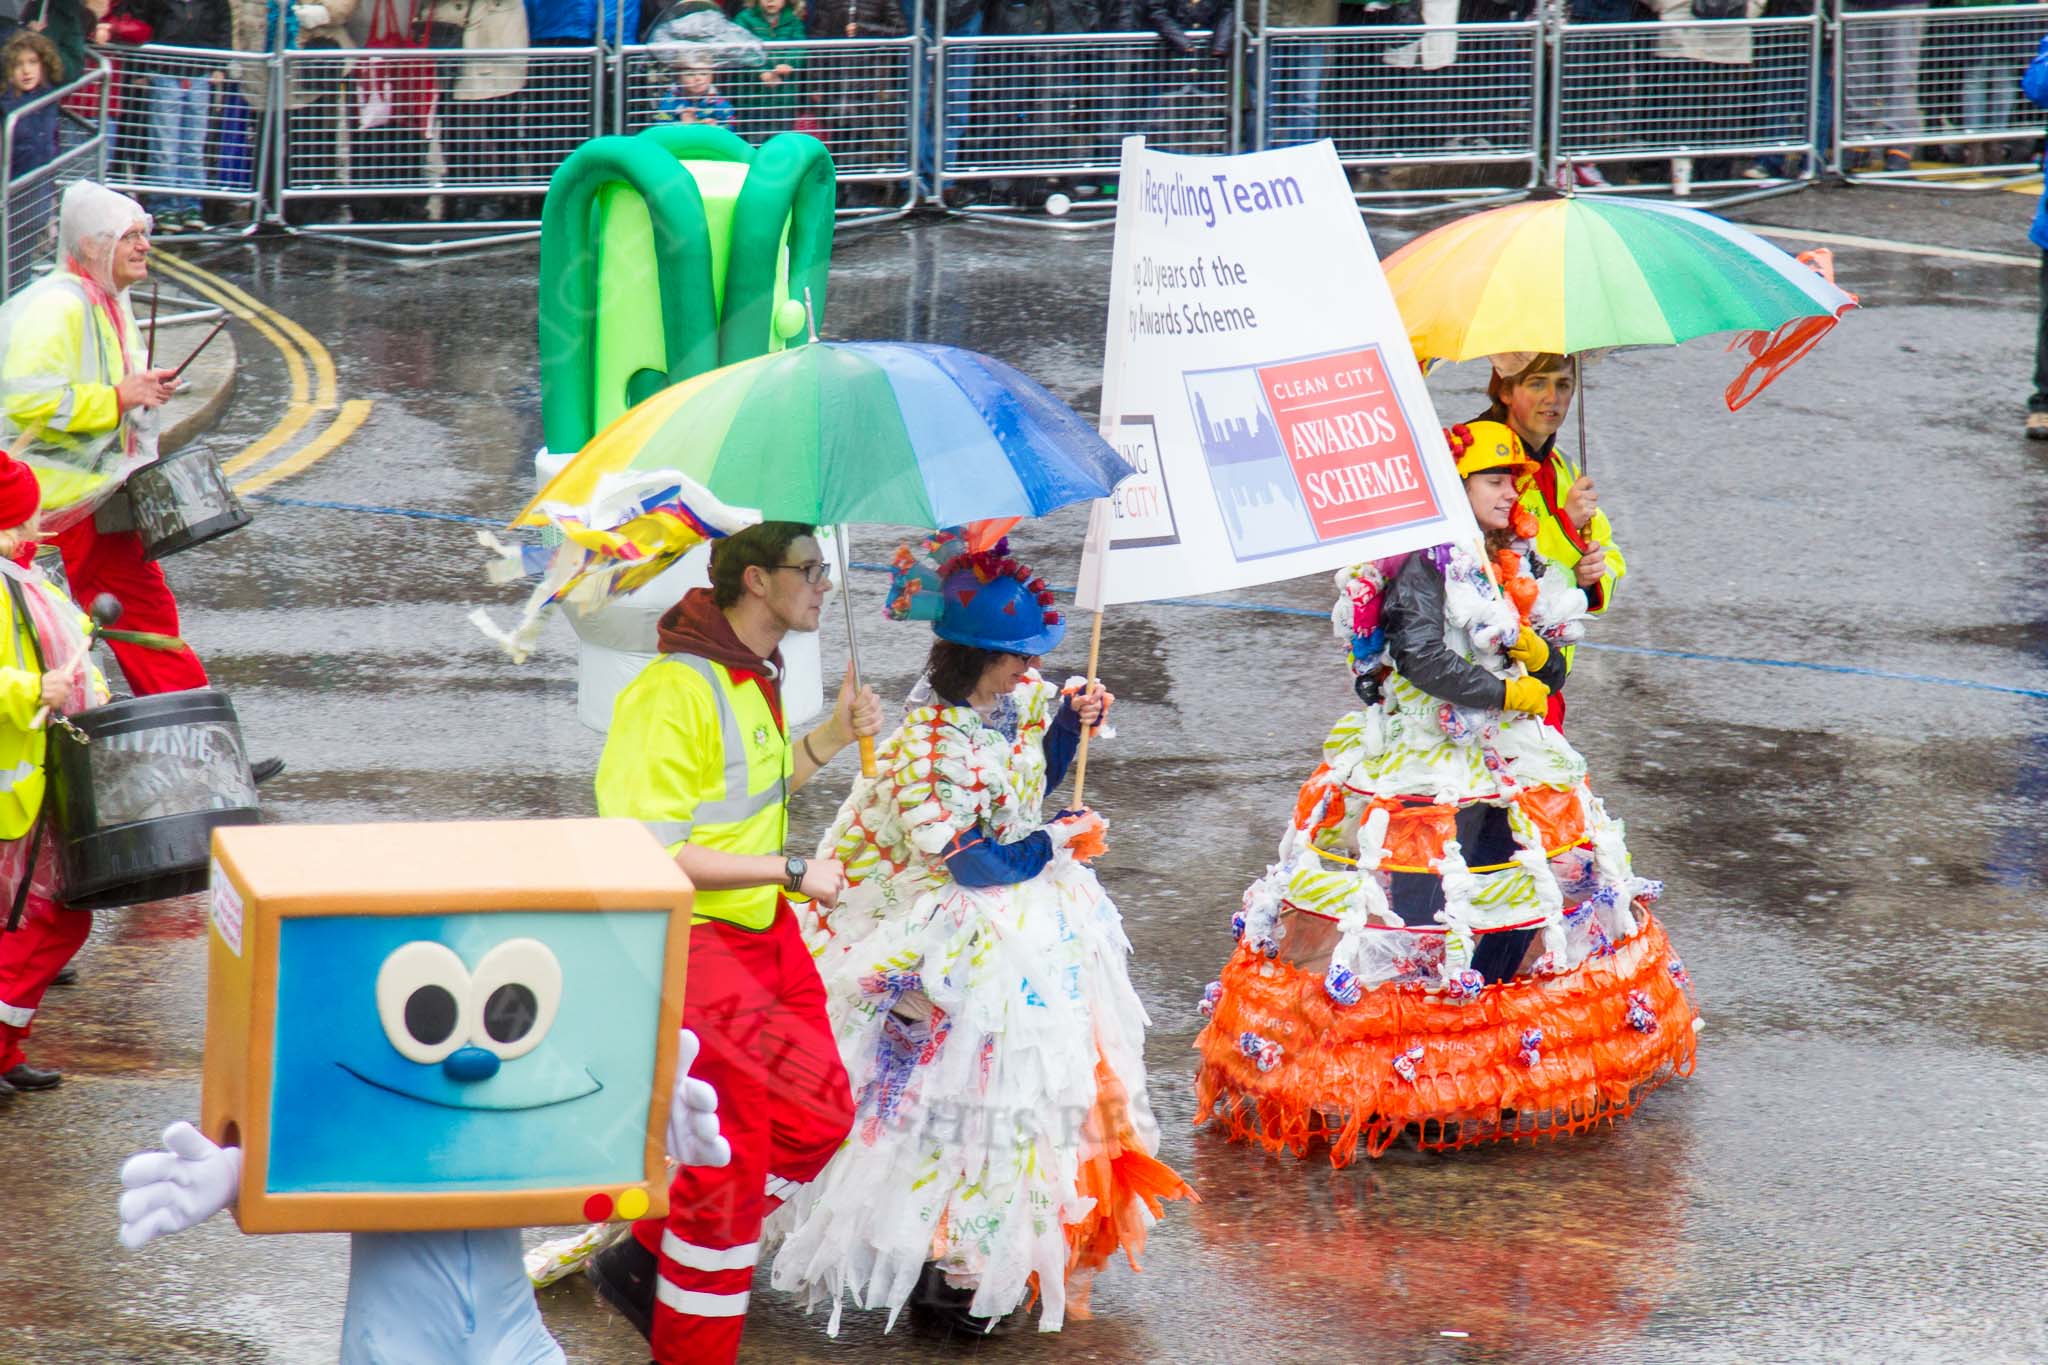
1855	865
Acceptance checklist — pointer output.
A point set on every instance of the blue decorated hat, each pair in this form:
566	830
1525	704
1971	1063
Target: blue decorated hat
984	599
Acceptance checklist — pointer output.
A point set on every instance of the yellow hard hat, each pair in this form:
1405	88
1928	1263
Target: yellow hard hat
1484	446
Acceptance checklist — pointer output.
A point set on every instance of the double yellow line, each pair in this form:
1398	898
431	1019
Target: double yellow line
313	399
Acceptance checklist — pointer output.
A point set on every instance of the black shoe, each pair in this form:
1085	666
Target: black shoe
26	1077
7	1092
67	975
624	1274
939	1310
265	769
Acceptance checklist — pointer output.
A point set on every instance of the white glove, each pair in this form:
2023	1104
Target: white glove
693	1136
312	16
178	1188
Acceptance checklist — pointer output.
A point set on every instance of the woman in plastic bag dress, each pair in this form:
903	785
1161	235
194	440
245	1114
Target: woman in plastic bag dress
975	975
1453	937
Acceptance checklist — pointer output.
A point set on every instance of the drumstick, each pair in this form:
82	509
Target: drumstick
149	360
203	341
77	657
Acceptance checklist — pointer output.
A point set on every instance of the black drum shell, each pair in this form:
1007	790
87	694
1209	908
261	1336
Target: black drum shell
181	501
107	858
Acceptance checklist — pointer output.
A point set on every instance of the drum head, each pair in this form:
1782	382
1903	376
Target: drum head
183	501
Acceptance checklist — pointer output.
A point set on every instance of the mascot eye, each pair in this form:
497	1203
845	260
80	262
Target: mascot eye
421	991
513	999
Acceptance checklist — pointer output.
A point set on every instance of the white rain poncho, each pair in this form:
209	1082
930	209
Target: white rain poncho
65	342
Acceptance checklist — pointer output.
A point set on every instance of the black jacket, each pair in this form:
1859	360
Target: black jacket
1414	621
186	23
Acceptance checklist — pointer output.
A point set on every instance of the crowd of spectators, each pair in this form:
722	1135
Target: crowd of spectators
362	137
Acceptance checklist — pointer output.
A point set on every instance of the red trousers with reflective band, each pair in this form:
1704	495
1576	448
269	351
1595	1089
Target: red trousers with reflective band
29	958
758	1009
98	561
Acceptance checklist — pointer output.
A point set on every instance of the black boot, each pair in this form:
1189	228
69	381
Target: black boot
939	1310
26	1077
624	1274
263	769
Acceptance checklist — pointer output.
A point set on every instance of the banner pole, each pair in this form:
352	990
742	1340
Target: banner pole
1081	754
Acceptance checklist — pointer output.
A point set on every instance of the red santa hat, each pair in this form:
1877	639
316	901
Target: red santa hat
20	495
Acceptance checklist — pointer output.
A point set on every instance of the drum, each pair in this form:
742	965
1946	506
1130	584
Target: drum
135	807
181	501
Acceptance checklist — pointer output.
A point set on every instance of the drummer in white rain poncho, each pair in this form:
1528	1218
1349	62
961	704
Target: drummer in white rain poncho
80	406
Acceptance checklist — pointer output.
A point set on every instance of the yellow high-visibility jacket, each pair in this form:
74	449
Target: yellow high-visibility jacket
21	695
1557	542
700	758
75	420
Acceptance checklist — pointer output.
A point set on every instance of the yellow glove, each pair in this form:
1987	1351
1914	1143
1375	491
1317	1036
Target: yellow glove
1526	694
1531	651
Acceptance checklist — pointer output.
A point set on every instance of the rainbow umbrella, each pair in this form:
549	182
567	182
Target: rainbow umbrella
1580	274
877	431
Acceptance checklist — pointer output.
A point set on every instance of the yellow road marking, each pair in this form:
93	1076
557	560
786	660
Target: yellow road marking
260	449
323	363
344	426
294	363
298	347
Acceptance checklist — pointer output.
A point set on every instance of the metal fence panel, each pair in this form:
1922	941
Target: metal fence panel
852	94
185	124
1731	89
1063	105
1914	78
393	124
28	209
1407	93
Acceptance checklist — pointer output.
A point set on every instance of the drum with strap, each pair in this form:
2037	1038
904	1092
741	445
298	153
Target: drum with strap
136	802
180	501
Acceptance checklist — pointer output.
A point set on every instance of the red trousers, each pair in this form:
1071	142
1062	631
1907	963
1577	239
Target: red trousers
29	957
758	1010
98	561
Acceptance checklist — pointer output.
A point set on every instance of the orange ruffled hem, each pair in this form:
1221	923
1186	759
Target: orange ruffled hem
1336	1081
1125	1182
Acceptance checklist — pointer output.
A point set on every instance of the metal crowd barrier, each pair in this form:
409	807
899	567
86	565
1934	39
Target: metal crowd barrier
405	137
1043	108
1416	111
1907	79
1727	107
28	209
185	125
391	141
852	94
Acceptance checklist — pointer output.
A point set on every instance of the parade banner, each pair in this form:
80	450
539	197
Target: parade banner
1258	378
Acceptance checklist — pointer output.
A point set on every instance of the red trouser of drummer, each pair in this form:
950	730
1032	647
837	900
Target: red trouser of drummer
30	958
97	561
758	1010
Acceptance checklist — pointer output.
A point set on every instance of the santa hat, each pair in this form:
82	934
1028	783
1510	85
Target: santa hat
20	495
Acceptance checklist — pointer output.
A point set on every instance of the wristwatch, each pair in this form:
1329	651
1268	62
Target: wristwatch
793	869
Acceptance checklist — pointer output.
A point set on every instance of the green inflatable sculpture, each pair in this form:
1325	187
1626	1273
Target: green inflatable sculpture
670	253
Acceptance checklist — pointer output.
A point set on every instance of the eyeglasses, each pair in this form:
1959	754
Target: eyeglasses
815	571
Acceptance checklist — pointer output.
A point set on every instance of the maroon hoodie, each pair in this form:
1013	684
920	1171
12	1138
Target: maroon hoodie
695	625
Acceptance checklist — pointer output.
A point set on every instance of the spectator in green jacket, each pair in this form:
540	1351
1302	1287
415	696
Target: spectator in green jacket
770	102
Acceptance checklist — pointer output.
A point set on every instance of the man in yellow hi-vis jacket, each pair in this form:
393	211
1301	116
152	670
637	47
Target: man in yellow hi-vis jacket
698	749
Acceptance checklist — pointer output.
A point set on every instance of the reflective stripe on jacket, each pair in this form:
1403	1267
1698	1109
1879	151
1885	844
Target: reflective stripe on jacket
700	758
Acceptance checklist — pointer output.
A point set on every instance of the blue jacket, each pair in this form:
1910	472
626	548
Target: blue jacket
2035	85
573	21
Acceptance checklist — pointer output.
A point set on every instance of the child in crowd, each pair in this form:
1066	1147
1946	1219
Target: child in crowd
774	105
694	98
33	69
44	664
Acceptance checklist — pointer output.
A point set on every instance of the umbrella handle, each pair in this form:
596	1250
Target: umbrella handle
867	742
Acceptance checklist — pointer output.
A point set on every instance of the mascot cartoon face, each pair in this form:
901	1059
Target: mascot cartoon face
462	1052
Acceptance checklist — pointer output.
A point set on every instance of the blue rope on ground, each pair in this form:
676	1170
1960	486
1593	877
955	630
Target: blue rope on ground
1275	609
